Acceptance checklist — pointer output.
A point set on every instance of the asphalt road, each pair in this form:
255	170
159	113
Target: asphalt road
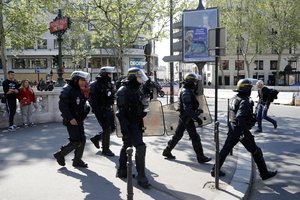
281	148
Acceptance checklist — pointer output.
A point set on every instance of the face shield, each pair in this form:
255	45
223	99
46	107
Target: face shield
141	76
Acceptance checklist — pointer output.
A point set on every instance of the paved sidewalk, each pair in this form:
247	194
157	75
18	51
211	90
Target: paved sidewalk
28	170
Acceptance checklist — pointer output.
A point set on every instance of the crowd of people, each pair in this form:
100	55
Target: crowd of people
23	92
132	99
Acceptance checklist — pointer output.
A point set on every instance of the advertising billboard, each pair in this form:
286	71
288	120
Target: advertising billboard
137	62
196	24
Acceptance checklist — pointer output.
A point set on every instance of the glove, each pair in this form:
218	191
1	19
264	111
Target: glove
199	121
199	111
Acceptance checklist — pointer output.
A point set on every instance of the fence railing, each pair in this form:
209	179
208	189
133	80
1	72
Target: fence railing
46	109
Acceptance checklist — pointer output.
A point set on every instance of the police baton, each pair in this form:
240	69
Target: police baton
129	174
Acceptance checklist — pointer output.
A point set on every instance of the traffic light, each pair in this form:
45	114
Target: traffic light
55	60
147	49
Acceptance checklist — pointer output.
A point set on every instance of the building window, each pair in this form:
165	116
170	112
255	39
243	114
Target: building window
103	61
0	64
259	65
29	63
225	64
273	64
42	44
239	65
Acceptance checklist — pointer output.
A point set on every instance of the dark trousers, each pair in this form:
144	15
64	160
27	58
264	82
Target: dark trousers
105	121
77	139
186	123
133	136
233	137
11	107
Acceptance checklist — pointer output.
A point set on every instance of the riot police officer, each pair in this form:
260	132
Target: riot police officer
189	113
72	104
241	120
102	96
130	114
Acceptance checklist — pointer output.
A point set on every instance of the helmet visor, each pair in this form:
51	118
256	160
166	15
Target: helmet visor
141	75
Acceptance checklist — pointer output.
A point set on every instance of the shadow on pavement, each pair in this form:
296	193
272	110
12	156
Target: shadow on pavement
94	186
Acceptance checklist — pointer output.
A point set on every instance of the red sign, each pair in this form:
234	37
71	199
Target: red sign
59	25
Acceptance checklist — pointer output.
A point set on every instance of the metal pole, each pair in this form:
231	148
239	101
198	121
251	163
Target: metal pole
171	54
129	174
59	67
216	108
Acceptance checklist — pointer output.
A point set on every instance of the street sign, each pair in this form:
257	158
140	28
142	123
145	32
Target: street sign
212	41
59	25
175	58
37	70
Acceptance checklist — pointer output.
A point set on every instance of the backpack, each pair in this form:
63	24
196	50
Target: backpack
272	95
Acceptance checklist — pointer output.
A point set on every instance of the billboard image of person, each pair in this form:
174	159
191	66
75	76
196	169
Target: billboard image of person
196	24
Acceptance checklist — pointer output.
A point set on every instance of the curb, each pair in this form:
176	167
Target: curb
241	182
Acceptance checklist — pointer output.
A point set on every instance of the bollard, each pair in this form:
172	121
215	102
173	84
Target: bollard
217	169
129	174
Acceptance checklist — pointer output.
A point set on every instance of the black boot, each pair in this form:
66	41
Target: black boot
77	162
122	170
140	166
212	172
199	152
64	150
95	140
105	143
261	165
167	151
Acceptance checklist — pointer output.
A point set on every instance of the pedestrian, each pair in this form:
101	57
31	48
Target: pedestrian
11	90
27	99
74	110
241	120
189	113
102	96
264	94
130	113
49	86
41	85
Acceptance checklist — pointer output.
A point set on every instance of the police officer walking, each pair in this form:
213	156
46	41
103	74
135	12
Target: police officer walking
130	113
241	120
189	113
72	104
102	96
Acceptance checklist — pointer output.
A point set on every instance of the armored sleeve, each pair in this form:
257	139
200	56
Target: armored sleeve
64	104
187	101
243	113
93	100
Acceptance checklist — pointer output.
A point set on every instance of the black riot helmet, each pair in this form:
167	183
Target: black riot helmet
244	86
106	71
191	78
136	73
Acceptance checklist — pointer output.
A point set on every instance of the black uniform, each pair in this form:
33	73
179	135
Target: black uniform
72	105
241	120
102	96
130	114
11	99
189	112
